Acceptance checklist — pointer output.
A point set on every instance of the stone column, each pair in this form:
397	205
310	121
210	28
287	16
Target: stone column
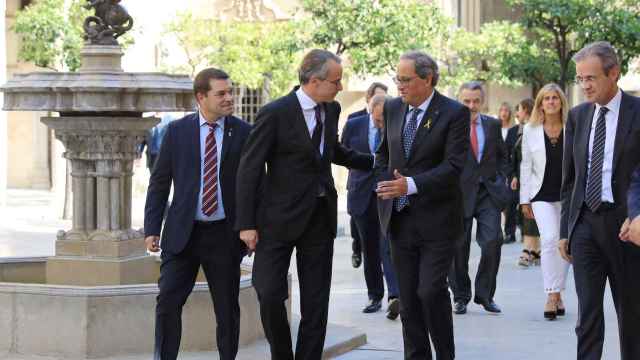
101	247
4	139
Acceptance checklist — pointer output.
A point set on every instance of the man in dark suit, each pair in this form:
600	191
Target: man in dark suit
423	151
511	211
296	207
364	134
199	155
484	185
602	148
375	88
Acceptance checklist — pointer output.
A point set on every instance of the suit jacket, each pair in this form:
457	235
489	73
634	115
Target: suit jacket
534	161
358	114
295	170
490	171
510	144
179	163
435	163
360	183
626	155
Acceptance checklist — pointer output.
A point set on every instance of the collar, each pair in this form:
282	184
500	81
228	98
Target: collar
613	105
478	120
372	125
425	105
306	103
220	122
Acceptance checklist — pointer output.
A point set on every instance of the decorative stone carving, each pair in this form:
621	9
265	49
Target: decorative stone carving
111	21
252	10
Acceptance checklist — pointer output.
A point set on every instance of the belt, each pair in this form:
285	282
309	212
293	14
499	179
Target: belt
604	207
209	223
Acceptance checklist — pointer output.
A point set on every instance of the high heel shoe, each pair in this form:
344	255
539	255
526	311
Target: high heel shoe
525	259
550	310
535	258
561	309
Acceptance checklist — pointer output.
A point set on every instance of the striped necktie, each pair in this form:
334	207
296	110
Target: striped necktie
210	179
593	198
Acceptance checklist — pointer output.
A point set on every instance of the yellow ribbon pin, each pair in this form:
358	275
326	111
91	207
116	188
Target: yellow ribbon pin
428	124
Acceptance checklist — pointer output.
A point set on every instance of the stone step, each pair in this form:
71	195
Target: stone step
340	340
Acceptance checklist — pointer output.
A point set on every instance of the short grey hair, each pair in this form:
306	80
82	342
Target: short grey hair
473	86
602	50
316	63
424	65
377	100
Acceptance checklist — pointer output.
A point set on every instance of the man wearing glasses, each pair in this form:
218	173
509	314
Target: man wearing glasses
423	151
295	204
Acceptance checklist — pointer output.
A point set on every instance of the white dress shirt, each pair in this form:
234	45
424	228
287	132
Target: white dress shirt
411	184
219	135
611	121
308	110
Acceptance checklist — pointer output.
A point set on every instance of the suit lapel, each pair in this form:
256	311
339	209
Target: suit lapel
625	118
299	123
428	121
397	126
584	138
227	138
194	130
330	131
488	138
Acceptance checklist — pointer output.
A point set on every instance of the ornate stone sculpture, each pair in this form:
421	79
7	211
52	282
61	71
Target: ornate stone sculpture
111	20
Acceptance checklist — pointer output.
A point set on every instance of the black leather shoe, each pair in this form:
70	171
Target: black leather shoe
356	260
374	305
459	308
393	310
488	306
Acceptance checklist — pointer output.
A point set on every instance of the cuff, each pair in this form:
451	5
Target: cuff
411	186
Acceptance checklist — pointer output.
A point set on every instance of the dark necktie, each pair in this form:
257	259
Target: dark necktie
316	137
594	182
376	140
210	177
474	138
408	134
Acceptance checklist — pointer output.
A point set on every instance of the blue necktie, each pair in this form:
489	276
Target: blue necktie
408	134
376	140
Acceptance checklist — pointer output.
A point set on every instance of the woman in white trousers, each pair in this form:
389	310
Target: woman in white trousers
540	178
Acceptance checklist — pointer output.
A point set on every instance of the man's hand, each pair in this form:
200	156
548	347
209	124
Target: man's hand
394	188
153	243
634	231
526	211
563	247
624	230
250	238
514	184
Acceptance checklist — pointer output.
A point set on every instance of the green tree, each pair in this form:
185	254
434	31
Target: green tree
251	52
373	34
565	26
51	33
503	53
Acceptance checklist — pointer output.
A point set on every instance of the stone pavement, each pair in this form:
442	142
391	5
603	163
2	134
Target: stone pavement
30	221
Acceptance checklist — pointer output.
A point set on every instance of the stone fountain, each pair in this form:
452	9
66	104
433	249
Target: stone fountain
96	297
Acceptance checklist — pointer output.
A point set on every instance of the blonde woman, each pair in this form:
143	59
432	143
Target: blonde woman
540	178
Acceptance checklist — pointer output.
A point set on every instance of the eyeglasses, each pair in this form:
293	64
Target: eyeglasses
403	80
587	79
336	83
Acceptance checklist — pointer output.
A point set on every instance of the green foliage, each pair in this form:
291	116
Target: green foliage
250	52
52	34
565	26
373	34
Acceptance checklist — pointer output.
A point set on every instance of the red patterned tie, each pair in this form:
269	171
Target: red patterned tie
474	138
210	182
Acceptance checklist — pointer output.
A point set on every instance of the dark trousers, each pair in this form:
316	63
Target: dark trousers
422	262
314	255
388	269
598	255
356	245
368	227
217	250
489	238
510	216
